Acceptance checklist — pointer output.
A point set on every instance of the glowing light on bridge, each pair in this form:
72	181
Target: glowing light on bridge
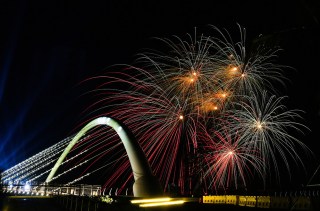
156	202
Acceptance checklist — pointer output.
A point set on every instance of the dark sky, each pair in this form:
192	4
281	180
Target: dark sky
48	47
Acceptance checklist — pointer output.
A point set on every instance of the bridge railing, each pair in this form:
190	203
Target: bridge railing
47	190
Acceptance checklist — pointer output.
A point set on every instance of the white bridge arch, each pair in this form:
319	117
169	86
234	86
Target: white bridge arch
146	184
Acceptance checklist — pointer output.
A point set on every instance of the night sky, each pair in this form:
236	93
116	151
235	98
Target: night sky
48	47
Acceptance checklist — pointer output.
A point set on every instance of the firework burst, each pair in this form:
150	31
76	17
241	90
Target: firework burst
229	161
195	108
266	125
246	71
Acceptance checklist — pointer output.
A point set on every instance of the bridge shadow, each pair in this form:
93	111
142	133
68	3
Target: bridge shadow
86	203
23	203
